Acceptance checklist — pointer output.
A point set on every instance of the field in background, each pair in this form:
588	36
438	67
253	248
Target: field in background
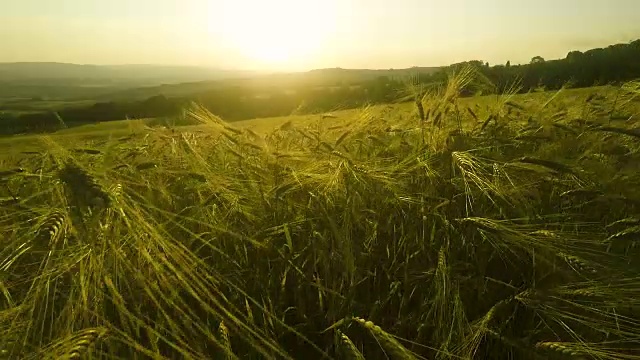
493	227
482	106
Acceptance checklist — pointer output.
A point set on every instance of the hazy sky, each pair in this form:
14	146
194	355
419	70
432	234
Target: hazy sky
305	34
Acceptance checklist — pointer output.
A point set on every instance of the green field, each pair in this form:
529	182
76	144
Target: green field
488	227
481	105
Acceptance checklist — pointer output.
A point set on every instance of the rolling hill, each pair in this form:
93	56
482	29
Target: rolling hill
41	73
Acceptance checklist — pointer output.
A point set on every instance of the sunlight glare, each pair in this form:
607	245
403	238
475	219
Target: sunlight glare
275	32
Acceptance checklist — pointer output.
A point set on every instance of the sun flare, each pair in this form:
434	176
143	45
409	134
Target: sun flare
275	32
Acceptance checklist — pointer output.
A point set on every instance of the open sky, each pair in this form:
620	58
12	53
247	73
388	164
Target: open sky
306	34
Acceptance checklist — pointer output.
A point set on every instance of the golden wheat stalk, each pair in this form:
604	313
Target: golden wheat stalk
560	347
348	348
386	340
83	187
51	230
74	346
579	263
225	341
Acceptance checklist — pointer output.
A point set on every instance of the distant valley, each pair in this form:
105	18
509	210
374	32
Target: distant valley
61	81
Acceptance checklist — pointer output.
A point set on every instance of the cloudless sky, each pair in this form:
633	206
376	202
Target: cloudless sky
305	34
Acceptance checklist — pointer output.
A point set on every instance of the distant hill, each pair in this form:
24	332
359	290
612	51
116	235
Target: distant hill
49	73
130	82
372	73
318	77
245	96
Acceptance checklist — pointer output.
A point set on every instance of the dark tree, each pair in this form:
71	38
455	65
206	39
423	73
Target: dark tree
537	60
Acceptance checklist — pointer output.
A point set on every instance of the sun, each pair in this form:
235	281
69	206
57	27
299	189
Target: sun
273	32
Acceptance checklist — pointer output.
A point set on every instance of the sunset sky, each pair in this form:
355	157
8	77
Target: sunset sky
300	35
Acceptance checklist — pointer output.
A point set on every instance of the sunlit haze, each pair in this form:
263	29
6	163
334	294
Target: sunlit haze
299	35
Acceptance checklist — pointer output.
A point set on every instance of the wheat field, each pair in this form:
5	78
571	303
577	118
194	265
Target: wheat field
447	229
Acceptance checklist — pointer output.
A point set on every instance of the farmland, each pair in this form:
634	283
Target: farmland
502	226
88	101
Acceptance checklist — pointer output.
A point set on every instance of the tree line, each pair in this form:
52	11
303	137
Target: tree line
610	65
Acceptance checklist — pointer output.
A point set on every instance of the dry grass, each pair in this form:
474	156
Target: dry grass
502	228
